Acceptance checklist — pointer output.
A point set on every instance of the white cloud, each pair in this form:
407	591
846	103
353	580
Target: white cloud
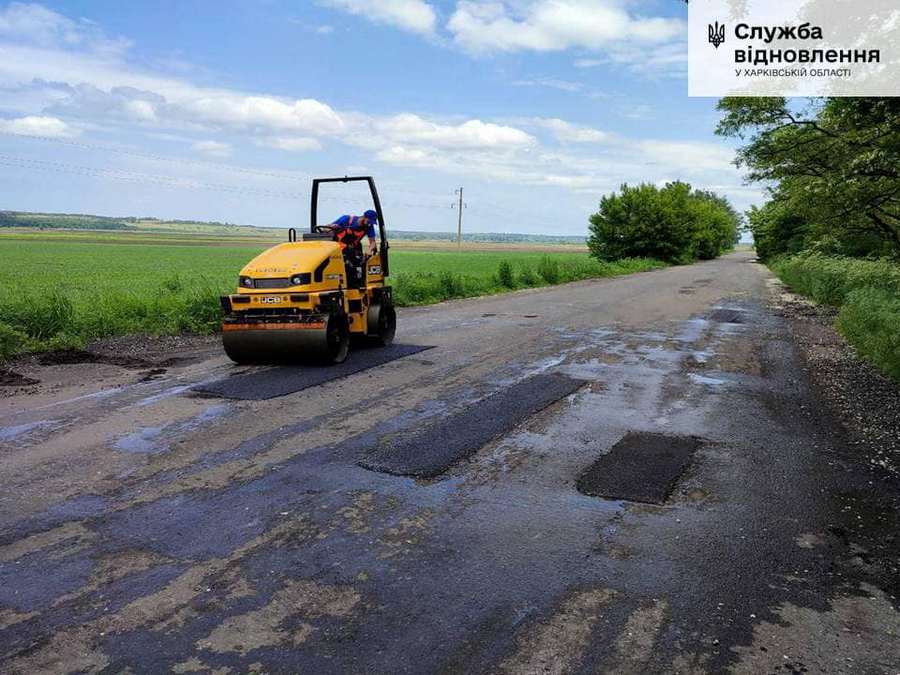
232	109
636	111
667	60
292	144
140	109
550	83
554	25
571	133
212	148
109	90
415	16
398	154
35	24
688	155
87	86
34	125
652	45
409	128
320	29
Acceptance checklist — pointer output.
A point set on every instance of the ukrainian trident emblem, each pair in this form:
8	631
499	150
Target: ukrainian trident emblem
716	34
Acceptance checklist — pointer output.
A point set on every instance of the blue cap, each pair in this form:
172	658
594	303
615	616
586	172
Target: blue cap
371	215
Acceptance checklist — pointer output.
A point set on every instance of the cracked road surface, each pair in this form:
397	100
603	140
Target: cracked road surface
147	528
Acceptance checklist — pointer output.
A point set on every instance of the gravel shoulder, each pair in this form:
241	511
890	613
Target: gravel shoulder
866	402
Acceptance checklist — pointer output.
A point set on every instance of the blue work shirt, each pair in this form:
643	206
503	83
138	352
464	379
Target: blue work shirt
352	222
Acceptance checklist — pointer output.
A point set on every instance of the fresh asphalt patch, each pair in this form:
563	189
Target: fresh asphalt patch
282	380
642	467
434	449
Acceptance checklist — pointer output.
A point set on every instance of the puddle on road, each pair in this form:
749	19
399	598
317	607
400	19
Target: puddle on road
142	441
705	379
700	356
16	430
103	393
692	330
148	440
164	394
210	413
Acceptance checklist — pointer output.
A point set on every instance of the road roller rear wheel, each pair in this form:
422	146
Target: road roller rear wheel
382	321
337	338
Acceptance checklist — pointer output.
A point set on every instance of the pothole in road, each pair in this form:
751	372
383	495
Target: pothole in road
642	467
726	315
10	378
64	357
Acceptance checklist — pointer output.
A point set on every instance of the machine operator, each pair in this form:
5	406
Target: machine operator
350	230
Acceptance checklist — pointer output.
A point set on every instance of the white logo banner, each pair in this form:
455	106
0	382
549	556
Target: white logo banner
794	48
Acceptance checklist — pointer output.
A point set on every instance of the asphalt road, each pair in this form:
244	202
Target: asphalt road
147	528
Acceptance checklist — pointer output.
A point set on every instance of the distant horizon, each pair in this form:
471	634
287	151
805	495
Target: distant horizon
145	218
745	236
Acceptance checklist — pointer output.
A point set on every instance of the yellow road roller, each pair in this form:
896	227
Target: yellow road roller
303	300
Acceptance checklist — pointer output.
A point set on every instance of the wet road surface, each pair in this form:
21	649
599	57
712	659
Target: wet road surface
145	527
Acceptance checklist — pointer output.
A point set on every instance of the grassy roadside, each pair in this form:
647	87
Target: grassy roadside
509	273
867	292
56	294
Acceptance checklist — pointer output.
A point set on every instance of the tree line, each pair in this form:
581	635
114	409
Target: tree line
832	167
831	227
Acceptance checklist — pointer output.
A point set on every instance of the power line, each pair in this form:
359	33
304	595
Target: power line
139	178
168	181
242	170
161	158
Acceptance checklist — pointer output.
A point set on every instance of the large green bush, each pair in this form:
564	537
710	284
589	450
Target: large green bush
673	223
777	230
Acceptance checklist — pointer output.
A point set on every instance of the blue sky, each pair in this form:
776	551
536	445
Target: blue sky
224	110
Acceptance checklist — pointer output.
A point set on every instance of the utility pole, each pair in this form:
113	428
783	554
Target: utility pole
459	221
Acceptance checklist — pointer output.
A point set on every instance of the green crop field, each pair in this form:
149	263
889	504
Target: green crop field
61	290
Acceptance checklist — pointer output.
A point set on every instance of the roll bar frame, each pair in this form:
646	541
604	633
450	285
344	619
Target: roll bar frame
314	207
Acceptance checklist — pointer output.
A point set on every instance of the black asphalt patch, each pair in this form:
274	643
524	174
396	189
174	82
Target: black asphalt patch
283	380
641	467
437	447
